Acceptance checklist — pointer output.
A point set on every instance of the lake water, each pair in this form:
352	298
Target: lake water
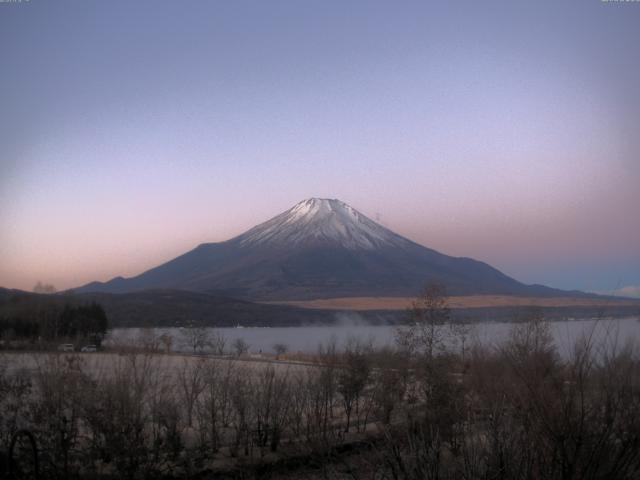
307	339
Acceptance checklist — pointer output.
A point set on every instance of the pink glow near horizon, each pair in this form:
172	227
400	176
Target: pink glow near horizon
515	145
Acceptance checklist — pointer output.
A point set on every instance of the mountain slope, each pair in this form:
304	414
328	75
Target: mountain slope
320	248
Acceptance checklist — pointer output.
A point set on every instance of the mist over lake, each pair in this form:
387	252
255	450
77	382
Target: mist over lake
614	332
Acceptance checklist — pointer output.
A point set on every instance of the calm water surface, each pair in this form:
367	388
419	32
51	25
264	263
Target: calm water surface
307	339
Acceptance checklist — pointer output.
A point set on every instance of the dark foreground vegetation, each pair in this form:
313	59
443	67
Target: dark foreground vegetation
419	411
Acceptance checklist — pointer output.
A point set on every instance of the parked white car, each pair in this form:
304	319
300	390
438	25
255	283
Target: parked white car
89	348
66	347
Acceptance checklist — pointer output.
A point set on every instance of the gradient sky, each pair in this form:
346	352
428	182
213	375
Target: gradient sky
131	131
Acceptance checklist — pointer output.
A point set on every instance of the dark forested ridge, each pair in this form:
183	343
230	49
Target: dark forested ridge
162	308
174	308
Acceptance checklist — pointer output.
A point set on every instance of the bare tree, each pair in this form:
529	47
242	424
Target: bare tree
16	389
299	402
214	408
218	342
126	417
242	417
389	390
191	382
428	313
240	347
270	406
461	332
353	378
196	338
166	340
148	339
280	349
322	384
57	409
531	342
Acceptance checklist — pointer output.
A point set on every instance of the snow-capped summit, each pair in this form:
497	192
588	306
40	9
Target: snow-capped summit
319	248
322	221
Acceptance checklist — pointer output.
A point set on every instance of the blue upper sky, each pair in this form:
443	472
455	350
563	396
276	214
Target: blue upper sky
503	131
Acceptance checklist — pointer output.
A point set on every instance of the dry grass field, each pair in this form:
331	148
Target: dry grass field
105	362
471	301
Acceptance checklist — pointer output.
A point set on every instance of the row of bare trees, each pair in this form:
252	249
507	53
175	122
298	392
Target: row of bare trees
140	415
195	338
521	412
517	410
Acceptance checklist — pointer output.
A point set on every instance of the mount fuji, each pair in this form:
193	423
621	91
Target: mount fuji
319	248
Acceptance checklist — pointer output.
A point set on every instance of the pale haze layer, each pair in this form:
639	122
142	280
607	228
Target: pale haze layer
130	132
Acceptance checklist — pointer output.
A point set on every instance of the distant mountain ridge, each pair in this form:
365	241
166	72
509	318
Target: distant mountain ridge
178	308
320	248
166	308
